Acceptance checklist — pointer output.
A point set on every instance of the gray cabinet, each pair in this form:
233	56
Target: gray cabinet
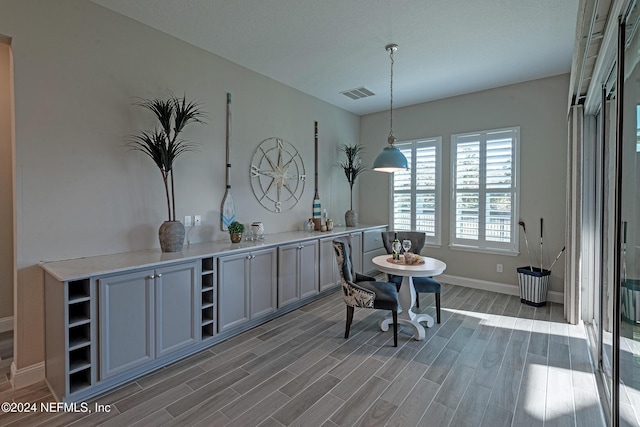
208	299
356	251
104	328
329	277
175	311
263	279
372	247
297	271
145	315
246	287
70	324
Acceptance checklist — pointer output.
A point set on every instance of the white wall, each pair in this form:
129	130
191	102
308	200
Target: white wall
6	188
77	69
540	109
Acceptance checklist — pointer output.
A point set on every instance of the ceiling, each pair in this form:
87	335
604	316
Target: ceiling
322	48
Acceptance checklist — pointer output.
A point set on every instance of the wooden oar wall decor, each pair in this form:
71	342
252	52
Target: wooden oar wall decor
228	209
317	220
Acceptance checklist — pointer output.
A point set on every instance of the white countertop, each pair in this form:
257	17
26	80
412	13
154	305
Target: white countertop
82	268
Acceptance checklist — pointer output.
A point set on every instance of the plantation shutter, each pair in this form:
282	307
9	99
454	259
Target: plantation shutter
416	191
484	190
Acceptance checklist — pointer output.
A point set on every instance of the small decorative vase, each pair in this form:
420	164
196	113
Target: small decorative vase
171	236
351	218
257	230
235	237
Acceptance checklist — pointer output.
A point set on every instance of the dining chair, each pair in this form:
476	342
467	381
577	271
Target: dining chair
363	291
421	284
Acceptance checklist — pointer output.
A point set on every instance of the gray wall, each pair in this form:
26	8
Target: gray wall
540	109
77	69
6	186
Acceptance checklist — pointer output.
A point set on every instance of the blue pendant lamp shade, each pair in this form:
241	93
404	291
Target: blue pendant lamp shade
391	159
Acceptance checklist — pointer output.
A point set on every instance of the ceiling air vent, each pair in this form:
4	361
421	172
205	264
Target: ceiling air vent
361	92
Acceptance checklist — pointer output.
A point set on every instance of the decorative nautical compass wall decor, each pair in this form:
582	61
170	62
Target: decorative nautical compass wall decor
277	174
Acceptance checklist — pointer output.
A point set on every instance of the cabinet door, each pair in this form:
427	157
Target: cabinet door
126	322
233	291
288	274
308	268
372	247
328	265
263	282
175	296
356	251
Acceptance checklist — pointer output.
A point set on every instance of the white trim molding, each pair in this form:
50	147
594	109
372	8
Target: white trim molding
502	288
26	376
6	324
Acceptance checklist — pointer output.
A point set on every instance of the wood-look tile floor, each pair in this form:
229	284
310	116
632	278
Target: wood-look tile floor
491	362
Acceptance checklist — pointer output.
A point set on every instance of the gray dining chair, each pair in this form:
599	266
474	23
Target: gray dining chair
421	284
363	291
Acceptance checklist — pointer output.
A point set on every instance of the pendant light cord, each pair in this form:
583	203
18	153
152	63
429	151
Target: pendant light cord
391	139
391	97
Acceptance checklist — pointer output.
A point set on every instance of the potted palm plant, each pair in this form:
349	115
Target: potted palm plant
163	145
352	168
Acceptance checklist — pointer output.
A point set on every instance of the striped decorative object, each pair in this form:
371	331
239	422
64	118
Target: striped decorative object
630	300
534	284
316	208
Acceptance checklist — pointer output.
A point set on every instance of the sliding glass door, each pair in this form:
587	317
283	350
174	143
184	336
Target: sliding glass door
627	344
605	183
612	173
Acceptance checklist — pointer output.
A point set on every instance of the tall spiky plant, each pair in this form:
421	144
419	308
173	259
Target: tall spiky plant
352	167
163	144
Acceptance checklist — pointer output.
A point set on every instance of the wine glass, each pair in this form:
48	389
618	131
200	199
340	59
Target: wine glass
406	245
396	250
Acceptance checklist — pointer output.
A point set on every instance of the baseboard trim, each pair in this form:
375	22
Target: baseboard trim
6	324
503	288
26	376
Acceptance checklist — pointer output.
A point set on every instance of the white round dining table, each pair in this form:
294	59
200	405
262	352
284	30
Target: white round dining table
407	293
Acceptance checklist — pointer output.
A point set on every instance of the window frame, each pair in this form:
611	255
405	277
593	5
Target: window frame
482	244
436	142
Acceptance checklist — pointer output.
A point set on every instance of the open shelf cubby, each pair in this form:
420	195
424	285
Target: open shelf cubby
207	265
79	335
207	281
207	330
207	297
207	314
78	290
79	312
79	359
79	380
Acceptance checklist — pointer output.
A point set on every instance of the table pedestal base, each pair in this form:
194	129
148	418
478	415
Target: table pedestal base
407	297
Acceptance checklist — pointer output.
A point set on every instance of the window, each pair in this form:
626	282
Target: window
416	192
484	205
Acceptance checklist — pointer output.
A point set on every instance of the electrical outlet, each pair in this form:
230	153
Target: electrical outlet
187	220
499	268
197	220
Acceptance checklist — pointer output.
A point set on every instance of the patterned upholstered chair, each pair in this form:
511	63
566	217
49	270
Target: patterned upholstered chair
421	284
363	291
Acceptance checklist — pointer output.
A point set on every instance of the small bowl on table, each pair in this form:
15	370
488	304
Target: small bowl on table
409	258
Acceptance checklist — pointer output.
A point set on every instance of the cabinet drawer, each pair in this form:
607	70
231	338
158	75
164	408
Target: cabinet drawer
367	265
372	239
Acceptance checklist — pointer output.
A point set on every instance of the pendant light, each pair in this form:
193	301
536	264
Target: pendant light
391	159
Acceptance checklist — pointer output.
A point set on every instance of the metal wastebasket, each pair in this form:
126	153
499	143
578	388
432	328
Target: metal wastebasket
533	283
630	300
